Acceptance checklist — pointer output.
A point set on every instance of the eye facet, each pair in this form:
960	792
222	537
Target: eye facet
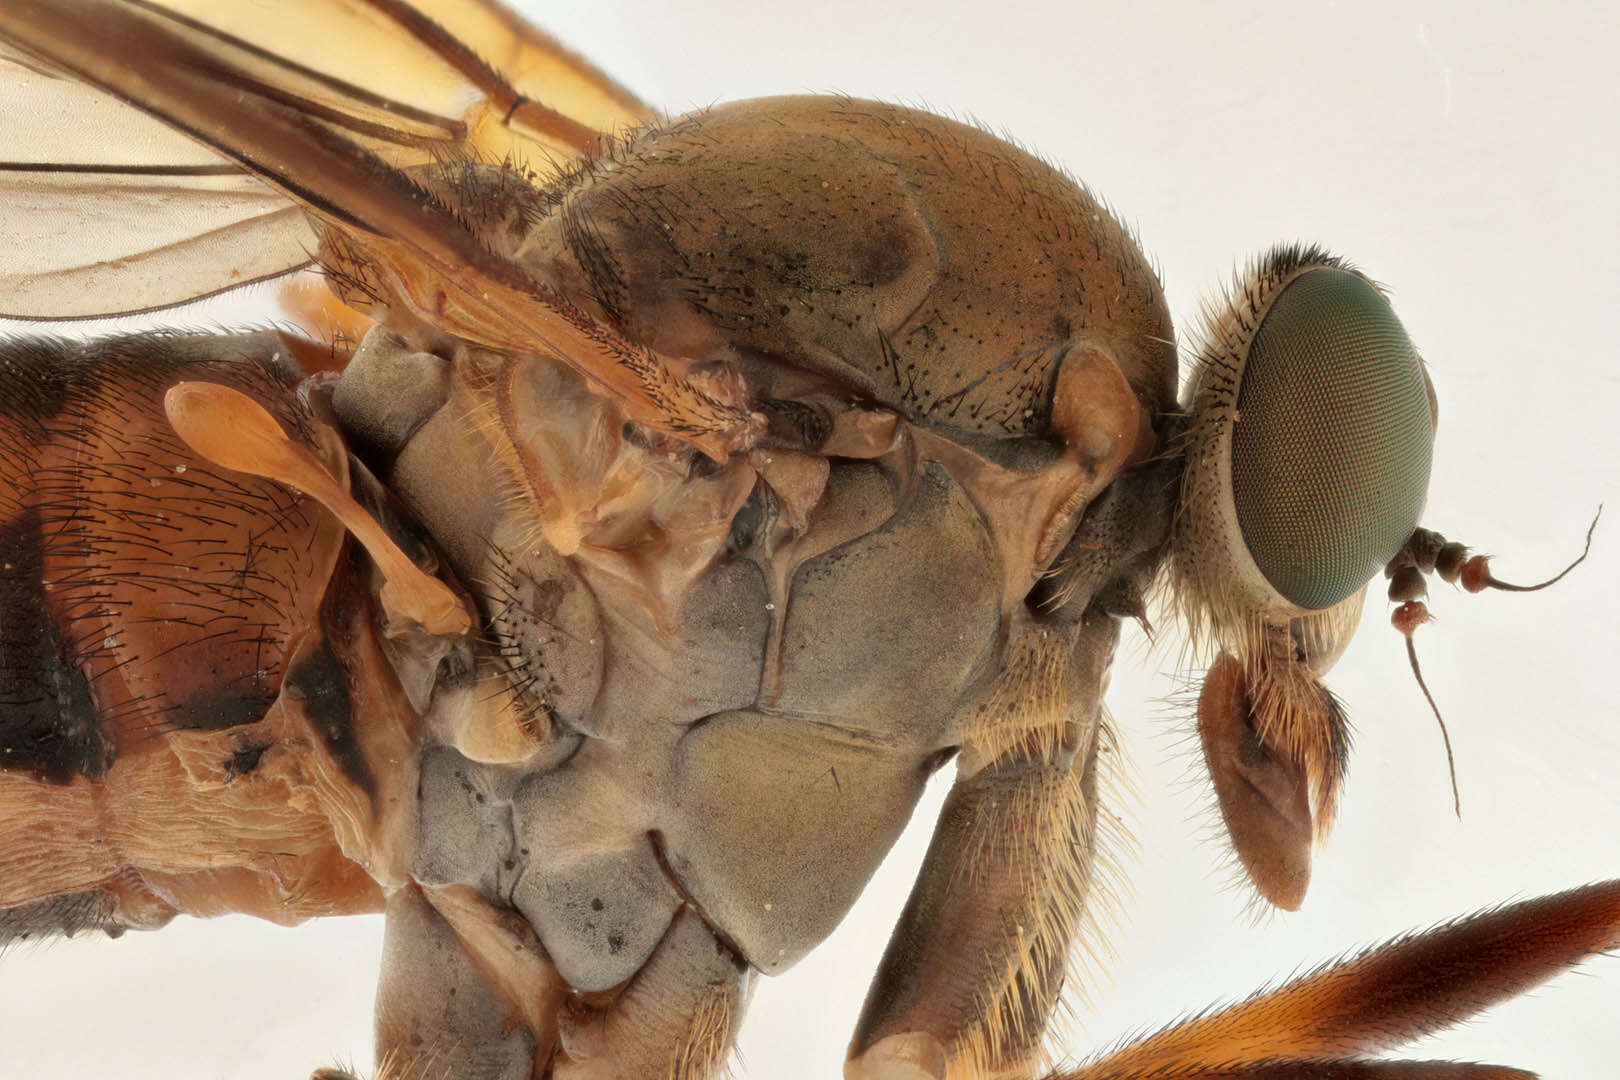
1308	447
1332	441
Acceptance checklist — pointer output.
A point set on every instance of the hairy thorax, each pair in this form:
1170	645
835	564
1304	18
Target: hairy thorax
721	686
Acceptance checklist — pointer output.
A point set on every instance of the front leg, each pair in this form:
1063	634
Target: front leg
977	961
675	1020
465	993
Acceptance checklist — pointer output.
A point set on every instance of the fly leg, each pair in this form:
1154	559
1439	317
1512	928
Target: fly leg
466	992
976	963
675	1020
1326	1023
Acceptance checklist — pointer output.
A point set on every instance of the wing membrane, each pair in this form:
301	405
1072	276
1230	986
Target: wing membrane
109	211
116	212
539	67
418	253
136	242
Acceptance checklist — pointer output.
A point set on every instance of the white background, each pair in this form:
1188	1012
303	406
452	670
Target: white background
1467	156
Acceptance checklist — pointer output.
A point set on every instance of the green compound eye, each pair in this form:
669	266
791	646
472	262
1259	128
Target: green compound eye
1333	438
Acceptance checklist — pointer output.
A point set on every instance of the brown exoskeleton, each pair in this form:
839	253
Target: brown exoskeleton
441	541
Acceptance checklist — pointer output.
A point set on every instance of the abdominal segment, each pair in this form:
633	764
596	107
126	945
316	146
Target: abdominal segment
155	612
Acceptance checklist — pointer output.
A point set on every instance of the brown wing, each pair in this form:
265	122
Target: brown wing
109	211
279	120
